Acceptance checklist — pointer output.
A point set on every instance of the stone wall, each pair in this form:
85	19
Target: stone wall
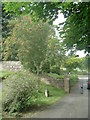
59	83
56	83
10	65
16	66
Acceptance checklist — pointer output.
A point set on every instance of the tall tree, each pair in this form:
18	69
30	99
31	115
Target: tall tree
5	21
75	31
5	30
72	63
31	39
54	56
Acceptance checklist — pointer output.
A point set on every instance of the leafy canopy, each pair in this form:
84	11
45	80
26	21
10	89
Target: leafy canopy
31	39
72	63
75	31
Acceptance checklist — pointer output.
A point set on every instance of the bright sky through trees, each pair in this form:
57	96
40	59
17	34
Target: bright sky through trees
61	19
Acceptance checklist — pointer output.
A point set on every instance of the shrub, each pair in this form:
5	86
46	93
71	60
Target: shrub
84	72
46	67
31	41
56	76
18	91
55	69
72	63
73	79
5	74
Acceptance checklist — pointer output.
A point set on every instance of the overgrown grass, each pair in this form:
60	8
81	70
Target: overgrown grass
32	101
43	102
55	94
5	74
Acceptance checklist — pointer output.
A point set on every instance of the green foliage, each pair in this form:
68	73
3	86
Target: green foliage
5	30
84	64
39	53
83	72
39	10
55	95
11	50
46	67
18	90
55	69
75	31
73	79
30	40
23	91
5	74
16	8
72	63
5	20
54	56
55	76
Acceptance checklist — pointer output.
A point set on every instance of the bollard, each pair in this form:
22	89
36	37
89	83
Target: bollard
82	90
47	93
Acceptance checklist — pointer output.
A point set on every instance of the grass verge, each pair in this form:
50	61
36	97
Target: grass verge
43	102
5	74
36	103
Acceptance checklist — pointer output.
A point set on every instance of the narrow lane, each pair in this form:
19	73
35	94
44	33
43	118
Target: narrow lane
73	105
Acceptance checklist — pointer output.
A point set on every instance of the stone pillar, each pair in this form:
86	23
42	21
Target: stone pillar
67	84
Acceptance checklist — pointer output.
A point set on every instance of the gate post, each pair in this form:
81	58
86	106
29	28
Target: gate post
66	84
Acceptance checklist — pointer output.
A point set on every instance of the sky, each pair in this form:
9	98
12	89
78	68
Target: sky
61	19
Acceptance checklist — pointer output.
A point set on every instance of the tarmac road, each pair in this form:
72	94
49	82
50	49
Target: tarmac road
73	105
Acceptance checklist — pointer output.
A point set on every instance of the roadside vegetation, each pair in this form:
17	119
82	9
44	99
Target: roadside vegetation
4	74
55	76
23	91
73	79
29	36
